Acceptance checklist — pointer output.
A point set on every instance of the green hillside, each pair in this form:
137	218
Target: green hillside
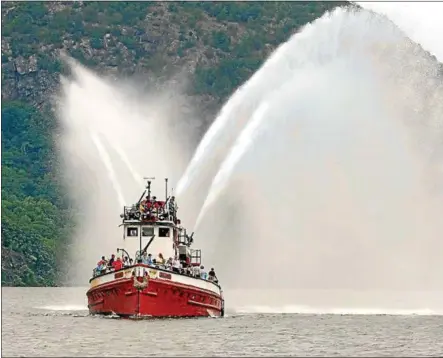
220	44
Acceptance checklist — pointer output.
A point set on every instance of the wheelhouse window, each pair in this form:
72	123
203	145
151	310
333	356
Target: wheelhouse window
132	231
163	232
147	231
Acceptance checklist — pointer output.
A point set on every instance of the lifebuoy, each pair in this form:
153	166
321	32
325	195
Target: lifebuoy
141	285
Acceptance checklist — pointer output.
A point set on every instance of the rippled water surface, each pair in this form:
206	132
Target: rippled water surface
54	322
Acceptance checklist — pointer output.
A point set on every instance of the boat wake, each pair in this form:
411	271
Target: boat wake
63	308
297	309
68	310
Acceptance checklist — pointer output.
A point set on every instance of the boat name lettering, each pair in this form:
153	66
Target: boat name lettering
165	275
106	292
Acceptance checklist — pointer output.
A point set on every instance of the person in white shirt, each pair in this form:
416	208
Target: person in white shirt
203	273
176	265
196	271
126	261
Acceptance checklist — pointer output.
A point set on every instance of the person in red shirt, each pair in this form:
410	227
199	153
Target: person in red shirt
117	264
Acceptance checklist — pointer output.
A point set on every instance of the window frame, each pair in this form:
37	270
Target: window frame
129	229
148	227
162	229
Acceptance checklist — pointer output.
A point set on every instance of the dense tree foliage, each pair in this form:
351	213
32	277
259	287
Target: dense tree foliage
32	203
225	41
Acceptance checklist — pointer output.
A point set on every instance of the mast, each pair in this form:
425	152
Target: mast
166	190
148	187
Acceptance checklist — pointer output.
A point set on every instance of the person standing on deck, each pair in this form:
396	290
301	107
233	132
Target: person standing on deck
203	273
125	261
118	264
111	260
196	271
161	260
212	276
145	258
176	265
172	207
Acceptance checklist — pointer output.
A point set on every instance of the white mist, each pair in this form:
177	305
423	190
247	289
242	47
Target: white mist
339	186
114	133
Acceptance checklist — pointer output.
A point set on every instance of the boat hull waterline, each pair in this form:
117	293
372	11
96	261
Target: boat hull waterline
142	291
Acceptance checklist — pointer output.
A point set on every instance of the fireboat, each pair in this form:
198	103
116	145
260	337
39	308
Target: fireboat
144	288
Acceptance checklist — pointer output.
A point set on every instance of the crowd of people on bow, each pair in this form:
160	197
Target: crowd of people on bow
183	267
113	264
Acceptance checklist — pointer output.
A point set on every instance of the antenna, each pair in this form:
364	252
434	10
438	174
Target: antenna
149	179
149	184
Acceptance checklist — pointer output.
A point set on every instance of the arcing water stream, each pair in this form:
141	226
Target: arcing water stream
330	160
112	136
322	172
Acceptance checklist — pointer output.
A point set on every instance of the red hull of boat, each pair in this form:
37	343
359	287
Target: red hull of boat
159	299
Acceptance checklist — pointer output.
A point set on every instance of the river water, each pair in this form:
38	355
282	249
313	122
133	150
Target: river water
55	322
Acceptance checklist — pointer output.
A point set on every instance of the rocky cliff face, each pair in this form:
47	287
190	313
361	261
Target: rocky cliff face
152	39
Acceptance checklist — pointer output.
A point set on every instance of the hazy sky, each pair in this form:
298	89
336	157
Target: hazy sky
421	21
